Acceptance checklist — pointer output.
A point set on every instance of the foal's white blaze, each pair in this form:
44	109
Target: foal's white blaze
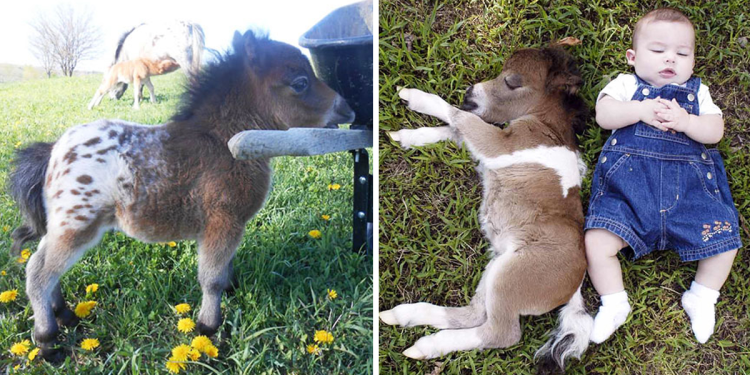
565	162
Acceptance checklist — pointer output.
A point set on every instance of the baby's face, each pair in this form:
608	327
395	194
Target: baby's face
665	53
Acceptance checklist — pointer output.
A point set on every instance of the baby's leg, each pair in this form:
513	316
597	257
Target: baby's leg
604	270
700	301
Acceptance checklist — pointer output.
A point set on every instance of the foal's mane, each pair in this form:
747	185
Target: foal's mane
217	78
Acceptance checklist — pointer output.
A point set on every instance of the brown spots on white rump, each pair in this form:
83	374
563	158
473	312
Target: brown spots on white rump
84	179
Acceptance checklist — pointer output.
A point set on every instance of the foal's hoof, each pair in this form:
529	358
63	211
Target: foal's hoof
67	318
53	355
205	330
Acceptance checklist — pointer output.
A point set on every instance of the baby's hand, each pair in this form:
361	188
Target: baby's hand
649	112
673	117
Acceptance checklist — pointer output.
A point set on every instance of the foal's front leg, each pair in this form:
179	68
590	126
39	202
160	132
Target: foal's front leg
215	253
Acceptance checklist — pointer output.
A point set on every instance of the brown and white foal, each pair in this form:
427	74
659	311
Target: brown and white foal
167	182
138	72
531	211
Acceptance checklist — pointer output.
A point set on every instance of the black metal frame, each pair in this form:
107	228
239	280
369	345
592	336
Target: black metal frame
362	202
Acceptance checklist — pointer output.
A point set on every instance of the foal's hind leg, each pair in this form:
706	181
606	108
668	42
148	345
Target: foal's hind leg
215	252
417	314
55	255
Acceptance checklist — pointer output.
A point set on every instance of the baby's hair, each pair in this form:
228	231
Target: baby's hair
662	14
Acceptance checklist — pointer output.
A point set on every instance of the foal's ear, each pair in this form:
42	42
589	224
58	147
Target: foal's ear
247	44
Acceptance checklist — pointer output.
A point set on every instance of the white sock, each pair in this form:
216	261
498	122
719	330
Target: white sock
612	314
700	304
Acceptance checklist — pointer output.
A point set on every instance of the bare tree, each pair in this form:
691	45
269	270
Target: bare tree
64	38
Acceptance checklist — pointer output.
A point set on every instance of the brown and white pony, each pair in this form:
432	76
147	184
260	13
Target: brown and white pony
167	182
531	210
136	71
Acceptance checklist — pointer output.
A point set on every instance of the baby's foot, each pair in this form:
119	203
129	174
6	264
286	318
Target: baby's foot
612	314
700	304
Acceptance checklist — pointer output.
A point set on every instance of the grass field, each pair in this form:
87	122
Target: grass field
431	248
284	273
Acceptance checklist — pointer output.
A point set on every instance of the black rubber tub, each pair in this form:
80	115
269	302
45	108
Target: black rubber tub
341	49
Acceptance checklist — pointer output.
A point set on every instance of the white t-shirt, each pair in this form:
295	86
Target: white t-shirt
623	88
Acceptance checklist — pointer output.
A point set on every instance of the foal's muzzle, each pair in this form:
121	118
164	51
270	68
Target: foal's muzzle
468	104
341	113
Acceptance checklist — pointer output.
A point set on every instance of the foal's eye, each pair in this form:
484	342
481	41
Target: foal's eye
299	84
514	81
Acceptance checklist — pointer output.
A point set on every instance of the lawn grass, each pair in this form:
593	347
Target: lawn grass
431	248
284	273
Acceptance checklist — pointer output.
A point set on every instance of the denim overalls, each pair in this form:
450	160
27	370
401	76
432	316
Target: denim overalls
663	190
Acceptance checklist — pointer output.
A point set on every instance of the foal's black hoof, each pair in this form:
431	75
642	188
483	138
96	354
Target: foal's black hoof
67	318
205	330
53	355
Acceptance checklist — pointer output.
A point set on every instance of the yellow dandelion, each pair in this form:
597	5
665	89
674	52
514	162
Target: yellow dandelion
8	295
92	288
171	244
18	144
200	343
21	348
3	273
21	260
90	344
174	366
83	309
16	367
194	355
314	233
212	351
25	254
185	325
334	186
181	352
6	228
323	337
313	349
33	354
182	308
326	217
332	294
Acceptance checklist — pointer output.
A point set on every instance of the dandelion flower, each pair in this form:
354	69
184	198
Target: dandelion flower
21	260
334	186
181	353
3	273
20	348
185	325
314	233
332	294
6	228
18	144
25	254
201	343
194	355
323	337
92	288
8	296
212	351
33	354
182	308
174	366
313	349
172	244
90	344
83	309
326	217
16	367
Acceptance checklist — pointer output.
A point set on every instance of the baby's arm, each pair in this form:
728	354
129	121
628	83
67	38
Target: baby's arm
704	129
614	114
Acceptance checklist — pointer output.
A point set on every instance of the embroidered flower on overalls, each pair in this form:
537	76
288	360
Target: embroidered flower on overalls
717	228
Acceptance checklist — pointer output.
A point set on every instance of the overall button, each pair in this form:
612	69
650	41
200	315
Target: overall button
604	160
691	97
709	175
704	156
614	142
645	91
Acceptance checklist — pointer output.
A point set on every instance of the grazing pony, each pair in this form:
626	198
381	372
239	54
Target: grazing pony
180	41
137	71
531	210
172	181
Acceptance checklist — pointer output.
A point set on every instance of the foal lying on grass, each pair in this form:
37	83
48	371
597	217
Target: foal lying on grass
531	211
137	72
167	182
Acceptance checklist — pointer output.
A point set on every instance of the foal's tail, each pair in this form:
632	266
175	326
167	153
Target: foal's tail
570	339
26	188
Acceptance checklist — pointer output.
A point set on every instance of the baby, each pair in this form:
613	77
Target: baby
656	186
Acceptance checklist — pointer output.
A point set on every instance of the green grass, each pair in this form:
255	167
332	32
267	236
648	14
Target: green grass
283	272
431	248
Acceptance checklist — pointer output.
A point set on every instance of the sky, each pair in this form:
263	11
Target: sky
284	20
